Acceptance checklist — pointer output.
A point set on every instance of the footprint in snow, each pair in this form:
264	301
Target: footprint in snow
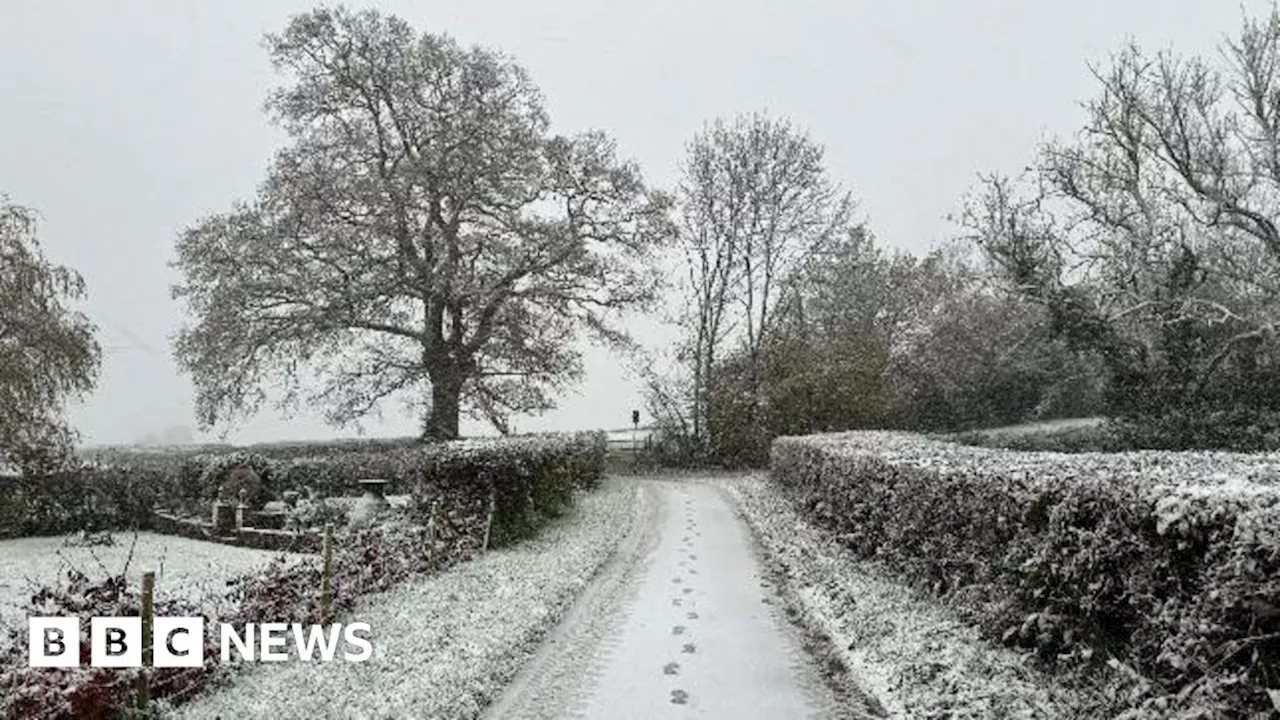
689	649
677	630
671	668
679	697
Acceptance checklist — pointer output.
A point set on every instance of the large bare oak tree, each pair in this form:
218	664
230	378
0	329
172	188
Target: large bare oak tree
422	229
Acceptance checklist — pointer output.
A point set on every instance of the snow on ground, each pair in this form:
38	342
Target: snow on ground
916	657
194	570
1045	426
684	626
444	646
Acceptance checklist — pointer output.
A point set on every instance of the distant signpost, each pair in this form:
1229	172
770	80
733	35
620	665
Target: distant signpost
635	436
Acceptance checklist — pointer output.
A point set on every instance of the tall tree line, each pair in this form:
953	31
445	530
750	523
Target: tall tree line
424	233
1150	238
795	320
1130	272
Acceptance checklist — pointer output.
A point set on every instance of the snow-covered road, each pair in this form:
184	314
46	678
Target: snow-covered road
681	623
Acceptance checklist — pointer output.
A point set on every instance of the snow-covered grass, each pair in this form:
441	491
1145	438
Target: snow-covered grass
193	570
1045	426
444	646
910	652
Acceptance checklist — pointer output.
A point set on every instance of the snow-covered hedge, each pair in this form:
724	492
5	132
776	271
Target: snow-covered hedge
86	499
908	651
1167	563
524	481
530	476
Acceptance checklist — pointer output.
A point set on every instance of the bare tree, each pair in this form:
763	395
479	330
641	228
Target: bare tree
1156	222
423	228
755	201
47	350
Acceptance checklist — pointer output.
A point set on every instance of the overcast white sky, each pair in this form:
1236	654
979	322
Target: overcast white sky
122	122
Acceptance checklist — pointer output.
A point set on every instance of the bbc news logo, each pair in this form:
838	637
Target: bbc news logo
116	642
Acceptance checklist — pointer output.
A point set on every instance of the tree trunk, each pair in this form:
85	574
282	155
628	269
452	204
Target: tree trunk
442	420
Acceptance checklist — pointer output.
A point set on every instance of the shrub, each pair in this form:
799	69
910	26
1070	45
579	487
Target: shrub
366	560
216	479
88	692
285	451
1167	561
335	473
524	480
1238	428
118	489
72	500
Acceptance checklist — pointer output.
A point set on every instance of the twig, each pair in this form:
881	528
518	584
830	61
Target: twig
326	588
129	558
101	565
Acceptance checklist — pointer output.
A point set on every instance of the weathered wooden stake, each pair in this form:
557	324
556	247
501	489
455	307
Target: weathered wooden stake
148	619
431	530
326	590
488	523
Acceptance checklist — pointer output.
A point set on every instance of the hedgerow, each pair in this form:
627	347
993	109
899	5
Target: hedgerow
530	476
81	499
1164	563
525	480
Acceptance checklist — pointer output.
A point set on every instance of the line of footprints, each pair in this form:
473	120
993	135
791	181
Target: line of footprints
679	696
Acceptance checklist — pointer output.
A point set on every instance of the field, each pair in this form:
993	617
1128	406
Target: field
1045	427
189	569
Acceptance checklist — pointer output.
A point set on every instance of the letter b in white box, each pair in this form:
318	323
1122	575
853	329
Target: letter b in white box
53	641
178	642
115	642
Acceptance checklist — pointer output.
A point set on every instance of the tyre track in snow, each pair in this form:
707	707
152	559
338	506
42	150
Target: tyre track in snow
679	623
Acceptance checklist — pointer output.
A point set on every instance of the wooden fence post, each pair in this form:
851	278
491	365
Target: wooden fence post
488	523
431	530
148	620
326	590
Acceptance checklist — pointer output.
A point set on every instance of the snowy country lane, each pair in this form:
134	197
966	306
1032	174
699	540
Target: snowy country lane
680	623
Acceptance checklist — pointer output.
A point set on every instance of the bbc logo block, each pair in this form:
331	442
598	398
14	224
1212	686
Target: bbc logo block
54	642
178	642
115	642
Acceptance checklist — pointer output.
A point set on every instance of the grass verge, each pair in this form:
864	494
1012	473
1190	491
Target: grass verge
446	645
914	656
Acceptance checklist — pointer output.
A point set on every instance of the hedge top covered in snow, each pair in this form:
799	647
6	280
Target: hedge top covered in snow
1169	560
1241	474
